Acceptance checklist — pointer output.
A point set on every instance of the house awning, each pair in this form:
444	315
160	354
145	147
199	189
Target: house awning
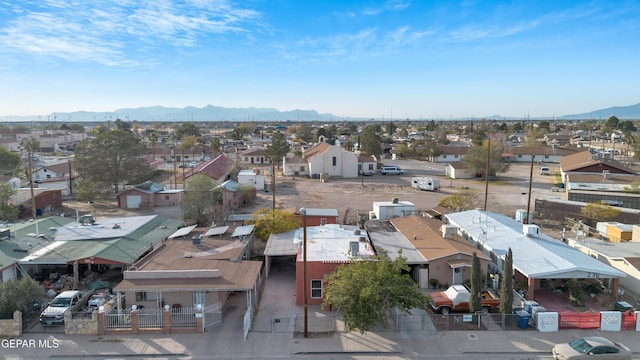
458	264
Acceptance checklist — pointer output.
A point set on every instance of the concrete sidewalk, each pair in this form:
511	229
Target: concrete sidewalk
221	345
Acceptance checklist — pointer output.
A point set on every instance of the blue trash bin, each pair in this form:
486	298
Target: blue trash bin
523	319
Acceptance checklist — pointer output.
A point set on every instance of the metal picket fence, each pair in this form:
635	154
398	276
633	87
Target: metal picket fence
183	317
118	319
150	318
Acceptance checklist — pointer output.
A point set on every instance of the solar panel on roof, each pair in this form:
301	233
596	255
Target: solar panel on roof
182	232
218	230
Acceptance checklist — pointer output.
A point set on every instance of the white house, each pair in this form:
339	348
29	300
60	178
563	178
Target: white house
332	160
383	210
328	159
458	171
251	177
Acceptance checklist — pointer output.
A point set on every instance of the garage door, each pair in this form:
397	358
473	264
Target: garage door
133	201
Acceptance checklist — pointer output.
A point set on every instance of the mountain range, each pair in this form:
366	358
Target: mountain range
217	113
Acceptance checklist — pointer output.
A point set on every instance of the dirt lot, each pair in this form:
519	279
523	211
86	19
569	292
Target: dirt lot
506	195
350	196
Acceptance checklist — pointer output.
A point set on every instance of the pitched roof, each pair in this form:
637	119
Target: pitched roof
73	242
453	150
316	150
61	168
173	256
254	151
429	242
584	159
216	168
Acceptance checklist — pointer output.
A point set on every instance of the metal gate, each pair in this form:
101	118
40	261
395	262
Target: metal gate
212	316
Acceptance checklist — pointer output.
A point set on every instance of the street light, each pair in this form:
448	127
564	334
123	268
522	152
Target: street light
303	211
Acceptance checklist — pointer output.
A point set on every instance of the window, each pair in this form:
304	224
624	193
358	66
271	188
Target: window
198	298
370	166
246	159
444	156
146	296
323	221
455	156
335	161
301	168
316	289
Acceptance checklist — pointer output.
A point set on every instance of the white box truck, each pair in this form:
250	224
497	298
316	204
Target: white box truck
425	183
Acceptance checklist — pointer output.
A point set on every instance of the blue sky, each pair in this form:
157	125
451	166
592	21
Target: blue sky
392	59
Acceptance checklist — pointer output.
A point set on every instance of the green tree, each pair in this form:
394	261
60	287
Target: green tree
475	289
544	125
599	211
506	287
365	291
305	133
87	190
8	212
390	128
186	129
476	159
153	141
370	141
122	125
401	150
112	159
612	122
461	201
19	295
273	221
202	197
215	146
9	162
479	136
276	151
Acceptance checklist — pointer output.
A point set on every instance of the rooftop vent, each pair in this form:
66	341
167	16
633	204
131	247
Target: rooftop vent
354	246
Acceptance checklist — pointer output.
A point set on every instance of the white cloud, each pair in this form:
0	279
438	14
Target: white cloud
108	32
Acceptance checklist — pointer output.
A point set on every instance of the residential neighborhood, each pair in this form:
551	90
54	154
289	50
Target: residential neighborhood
168	273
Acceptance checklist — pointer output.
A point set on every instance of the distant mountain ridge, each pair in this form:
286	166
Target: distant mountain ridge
631	112
218	113
192	113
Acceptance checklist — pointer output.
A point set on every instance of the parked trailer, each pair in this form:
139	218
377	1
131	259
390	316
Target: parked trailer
425	183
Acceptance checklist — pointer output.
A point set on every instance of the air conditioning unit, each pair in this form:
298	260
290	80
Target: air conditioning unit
531	230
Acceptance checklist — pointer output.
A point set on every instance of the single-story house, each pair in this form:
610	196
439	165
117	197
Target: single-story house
458	170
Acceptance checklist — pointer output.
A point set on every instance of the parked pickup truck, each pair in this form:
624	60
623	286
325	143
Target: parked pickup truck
66	301
456	299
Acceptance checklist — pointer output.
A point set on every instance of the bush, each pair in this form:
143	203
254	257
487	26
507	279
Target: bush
19	295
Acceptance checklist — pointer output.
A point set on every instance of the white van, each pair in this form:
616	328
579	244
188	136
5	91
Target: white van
391	170
545	171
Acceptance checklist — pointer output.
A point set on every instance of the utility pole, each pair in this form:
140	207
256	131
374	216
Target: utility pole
526	219
486	175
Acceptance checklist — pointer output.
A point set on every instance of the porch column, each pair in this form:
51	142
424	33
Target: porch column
615	285
530	288
76	275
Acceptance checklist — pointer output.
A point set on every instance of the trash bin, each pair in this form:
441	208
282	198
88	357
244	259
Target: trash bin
622	306
528	304
523	319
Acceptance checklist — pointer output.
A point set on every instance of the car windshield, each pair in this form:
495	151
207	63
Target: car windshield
581	346
61	302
